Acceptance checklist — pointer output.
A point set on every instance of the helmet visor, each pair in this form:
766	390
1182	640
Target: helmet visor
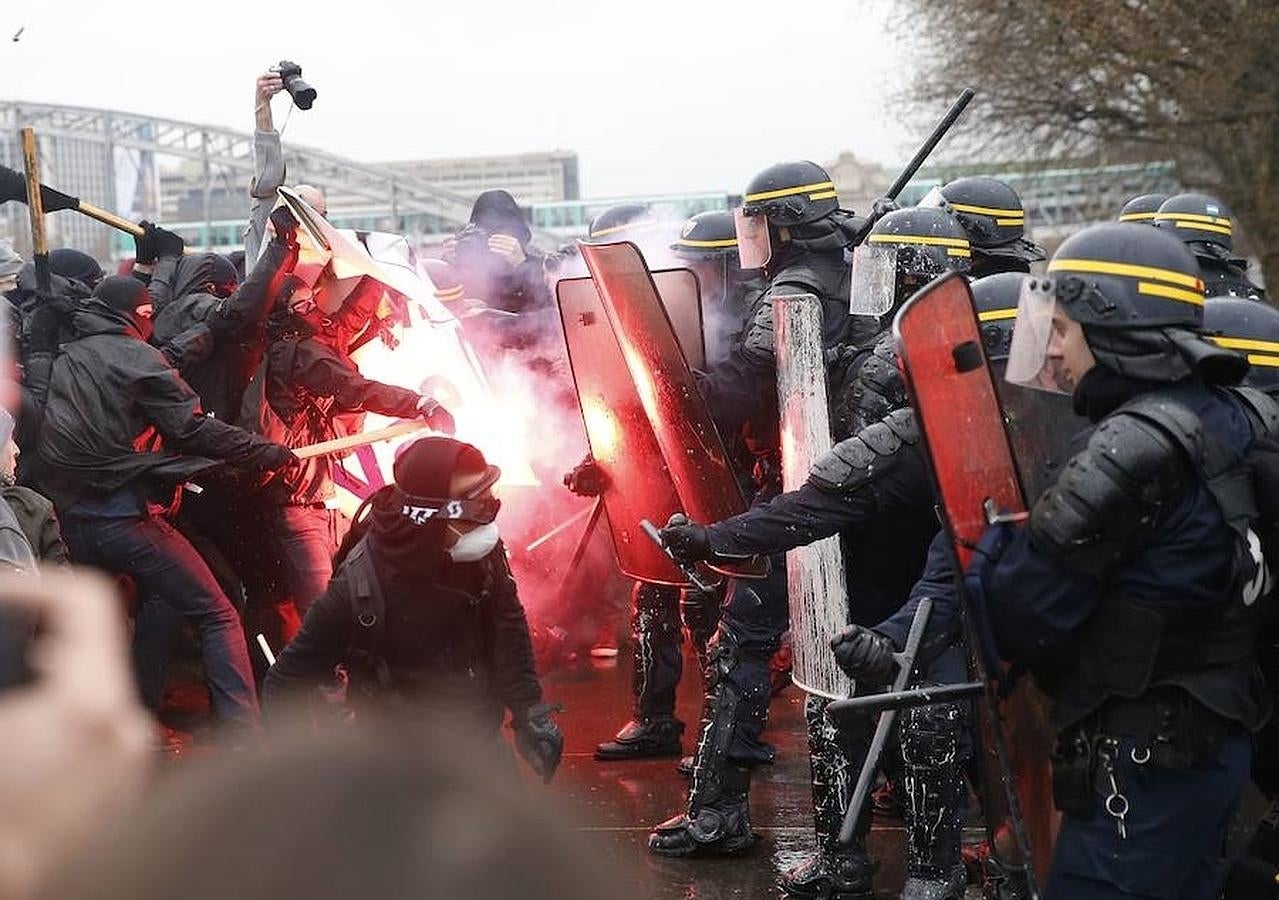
934	199
874	281
1028	362
754	247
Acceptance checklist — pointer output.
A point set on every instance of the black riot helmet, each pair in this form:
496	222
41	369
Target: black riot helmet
1142	209
612	223
1251	329
791	193
906	249
1138	295
991	213
708	235
1198	219
995	298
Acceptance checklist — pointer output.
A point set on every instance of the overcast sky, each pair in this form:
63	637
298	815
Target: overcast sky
655	96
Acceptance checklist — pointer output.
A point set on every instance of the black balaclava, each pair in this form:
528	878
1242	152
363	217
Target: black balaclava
73	264
195	272
124	294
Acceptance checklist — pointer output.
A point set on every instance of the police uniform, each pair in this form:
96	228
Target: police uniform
1205	225
991	212
1134	589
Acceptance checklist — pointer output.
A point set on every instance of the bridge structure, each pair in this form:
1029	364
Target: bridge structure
111	159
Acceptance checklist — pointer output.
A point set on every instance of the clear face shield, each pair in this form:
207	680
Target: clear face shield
754	246
874	280
1034	354
933	200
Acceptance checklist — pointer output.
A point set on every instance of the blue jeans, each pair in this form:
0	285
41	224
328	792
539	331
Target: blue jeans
170	576
1175	827
307	540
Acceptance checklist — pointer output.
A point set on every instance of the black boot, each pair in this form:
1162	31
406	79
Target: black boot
718	821
931	797
644	739
834	871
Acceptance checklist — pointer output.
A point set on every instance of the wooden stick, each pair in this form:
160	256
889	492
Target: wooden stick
35	208
354	441
107	218
580	514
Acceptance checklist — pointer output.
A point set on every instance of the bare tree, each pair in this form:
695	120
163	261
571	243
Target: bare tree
1120	80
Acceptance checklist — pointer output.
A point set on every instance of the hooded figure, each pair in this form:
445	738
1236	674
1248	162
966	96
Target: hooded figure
423	607
212	330
492	256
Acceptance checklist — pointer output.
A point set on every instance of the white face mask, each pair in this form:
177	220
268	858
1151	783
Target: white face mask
475	544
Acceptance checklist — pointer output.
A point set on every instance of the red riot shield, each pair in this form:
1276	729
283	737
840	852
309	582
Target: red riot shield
960	418
621	439
690	445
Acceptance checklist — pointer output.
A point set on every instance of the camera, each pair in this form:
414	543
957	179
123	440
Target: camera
301	92
472	244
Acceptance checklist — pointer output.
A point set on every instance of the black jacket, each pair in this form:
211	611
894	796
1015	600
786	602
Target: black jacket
306	392
216	343
118	414
460	638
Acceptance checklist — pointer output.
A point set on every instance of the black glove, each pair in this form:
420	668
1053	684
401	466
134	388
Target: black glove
285	225
688	542
882	207
865	655
272	457
155	242
436	415
539	740
587	479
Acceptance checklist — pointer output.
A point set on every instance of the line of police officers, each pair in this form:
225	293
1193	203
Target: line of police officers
1142	552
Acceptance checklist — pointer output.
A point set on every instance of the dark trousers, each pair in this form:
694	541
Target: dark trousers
170	577
661	615
1175	826
306	539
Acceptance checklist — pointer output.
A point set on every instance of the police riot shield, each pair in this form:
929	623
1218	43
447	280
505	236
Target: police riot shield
941	354
620	436
690	445
814	573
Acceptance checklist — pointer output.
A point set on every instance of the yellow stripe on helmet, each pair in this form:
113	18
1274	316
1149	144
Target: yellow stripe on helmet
1010	221
1245	344
1170	293
638	223
791	191
450	295
1103	267
726	242
997	315
1138	217
954	251
959	243
989	211
1200	226
1194	217
824	195
1258	359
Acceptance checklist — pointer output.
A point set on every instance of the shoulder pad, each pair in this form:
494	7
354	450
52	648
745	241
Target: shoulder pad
1264	409
868	390
758	341
1108	497
801	276
862	458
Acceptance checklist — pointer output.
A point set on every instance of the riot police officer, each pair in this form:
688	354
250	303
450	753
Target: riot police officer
708	245
791	227
1142	209
1249	328
1134	587
886	526
1205	225
991	213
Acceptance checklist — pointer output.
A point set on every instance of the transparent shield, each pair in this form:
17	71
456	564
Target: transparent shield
620	436
681	298
874	281
1028	362
754	247
690	445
